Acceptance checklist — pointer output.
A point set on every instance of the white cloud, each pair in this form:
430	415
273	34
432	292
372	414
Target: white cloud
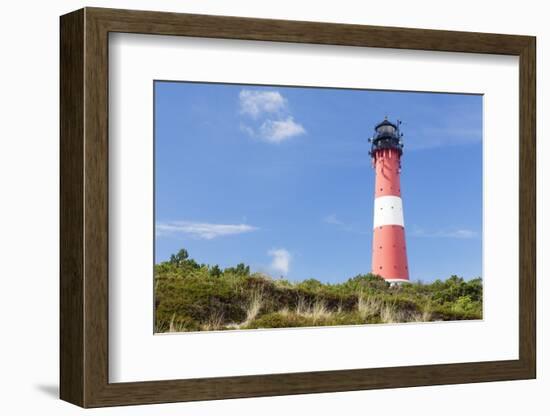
460	233
272	121
255	103
332	219
202	230
248	130
281	260
277	131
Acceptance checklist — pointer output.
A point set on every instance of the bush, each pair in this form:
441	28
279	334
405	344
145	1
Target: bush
193	297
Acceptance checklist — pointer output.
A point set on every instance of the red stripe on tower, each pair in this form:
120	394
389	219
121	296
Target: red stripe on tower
389	251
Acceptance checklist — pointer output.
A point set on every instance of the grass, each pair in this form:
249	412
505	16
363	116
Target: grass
214	322
389	314
368	306
197	297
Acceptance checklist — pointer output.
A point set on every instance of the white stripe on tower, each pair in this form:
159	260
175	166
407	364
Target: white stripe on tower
388	210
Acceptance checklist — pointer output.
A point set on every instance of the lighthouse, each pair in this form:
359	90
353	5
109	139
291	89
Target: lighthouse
389	251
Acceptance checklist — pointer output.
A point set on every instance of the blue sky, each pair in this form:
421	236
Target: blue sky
280	178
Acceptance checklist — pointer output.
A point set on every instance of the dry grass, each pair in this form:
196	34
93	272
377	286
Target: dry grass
254	306
316	311
172	327
421	317
390	315
319	311
214	322
175	326
161	327
368	306
302	306
424	316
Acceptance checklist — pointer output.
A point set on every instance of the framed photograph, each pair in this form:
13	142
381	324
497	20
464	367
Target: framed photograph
254	207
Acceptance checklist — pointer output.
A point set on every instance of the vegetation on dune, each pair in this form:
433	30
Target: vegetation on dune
197	297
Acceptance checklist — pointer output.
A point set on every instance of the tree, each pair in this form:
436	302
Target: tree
215	271
241	269
179	258
311	285
367	281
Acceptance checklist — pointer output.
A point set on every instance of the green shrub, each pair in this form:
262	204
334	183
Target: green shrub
193	297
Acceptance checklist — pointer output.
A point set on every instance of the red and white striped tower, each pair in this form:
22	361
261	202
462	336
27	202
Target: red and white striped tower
389	251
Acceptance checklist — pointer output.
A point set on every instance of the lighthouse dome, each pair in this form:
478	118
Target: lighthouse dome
386	128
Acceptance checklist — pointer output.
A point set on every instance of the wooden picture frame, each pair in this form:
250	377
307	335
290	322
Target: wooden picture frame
84	207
